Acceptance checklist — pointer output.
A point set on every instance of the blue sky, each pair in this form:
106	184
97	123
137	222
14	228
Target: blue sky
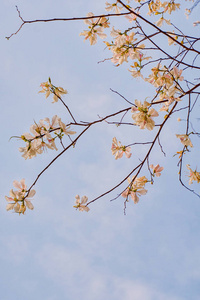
55	252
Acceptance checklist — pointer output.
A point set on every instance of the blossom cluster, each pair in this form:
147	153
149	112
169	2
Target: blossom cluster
48	88
158	7
96	28
136	186
135	189
126	45
19	200
167	84
143	114
41	139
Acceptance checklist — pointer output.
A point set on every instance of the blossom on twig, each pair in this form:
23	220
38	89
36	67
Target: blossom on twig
156	170
135	189
185	140
48	88
81	204
142	115
167	82
41	138
194	175
58	92
95	28
19	200
118	150
110	7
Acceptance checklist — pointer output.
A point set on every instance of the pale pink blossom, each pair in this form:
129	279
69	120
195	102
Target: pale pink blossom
136	73
143	115
92	35
31	150
177	73
110	7
20	185
81	203
159	23
96	27
48	88
135	189
185	140
118	150
20	200
58	92
64	128
156	170
194	175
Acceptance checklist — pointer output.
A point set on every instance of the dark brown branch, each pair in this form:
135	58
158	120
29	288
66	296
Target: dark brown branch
123	97
60	19
65	106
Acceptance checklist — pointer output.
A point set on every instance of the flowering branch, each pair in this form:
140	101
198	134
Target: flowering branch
162	71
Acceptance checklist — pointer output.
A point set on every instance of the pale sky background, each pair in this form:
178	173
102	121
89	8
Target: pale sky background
55	252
